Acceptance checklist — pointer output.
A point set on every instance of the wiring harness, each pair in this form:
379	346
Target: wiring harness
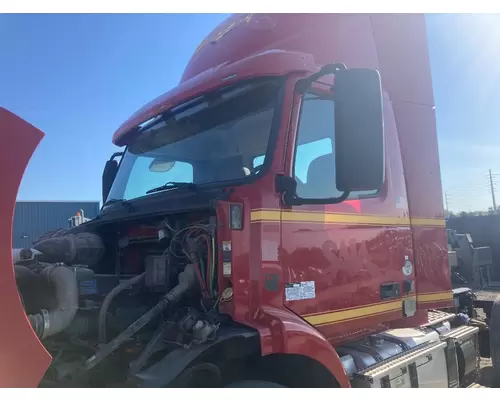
197	244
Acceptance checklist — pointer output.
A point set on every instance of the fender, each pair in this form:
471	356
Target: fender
290	334
23	359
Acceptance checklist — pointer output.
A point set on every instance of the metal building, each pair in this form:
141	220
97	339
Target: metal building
34	218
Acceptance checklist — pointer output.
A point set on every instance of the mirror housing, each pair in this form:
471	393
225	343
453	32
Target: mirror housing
359	130
108	177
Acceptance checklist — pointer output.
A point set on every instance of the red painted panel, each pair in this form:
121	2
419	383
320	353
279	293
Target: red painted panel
403	54
23	359
421	167
327	37
434	275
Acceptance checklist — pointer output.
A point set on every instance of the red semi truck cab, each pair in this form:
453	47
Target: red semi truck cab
328	225
345	268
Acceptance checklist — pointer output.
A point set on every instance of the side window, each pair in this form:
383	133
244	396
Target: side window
314	168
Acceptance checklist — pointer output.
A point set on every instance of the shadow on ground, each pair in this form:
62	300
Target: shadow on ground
487	377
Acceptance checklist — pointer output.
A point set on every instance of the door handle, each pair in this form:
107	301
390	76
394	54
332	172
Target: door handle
390	290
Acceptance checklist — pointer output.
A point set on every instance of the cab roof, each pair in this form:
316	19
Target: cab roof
270	63
252	45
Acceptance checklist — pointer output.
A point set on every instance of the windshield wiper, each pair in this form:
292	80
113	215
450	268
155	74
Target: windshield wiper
173	185
124	203
112	201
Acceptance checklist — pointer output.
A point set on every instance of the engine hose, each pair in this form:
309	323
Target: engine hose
23	273
49	322
109	298
110	347
187	281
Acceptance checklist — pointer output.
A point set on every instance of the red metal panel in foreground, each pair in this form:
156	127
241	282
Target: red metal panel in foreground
23	359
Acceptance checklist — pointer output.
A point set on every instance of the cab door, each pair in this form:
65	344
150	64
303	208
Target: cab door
347	266
23	359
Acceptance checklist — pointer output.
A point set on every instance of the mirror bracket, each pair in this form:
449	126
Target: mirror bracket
117	154
287	187
305	84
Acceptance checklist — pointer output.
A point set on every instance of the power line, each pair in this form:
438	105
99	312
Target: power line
469	193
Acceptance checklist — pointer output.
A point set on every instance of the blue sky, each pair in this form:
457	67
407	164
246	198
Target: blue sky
78	77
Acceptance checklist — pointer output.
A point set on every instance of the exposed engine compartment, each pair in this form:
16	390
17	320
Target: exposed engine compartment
111	299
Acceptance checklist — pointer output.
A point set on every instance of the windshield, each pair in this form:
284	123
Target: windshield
213	138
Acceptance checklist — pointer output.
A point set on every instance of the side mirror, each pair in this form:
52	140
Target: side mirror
359	130
108	177
359	160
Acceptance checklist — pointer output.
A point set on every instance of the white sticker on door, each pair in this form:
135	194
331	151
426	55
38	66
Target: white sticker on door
300	291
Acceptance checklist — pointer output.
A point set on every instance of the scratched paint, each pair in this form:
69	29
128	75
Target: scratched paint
223	30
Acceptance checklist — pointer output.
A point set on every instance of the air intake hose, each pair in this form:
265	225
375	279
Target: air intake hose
72	249
49	322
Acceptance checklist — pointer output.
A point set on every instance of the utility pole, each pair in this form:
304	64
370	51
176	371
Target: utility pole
446	201
493	193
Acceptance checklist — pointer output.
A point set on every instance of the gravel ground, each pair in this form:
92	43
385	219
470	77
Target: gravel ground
486	370
486	377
